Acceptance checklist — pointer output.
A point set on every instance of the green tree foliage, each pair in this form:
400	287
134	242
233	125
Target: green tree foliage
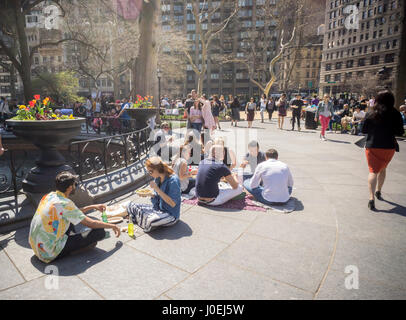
61	87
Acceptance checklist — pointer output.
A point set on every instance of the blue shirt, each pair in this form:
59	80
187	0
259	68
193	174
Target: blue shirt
404	118
125	114
208	176
170	186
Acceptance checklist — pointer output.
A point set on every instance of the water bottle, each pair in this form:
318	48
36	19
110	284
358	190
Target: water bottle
104	217
130	227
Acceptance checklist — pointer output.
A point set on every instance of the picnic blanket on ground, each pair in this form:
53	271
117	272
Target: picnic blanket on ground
248	203
240	204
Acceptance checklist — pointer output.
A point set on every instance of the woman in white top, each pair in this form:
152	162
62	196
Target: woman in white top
182	170
262	107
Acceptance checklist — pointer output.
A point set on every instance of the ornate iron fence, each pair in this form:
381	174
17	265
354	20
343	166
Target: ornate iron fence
100	156
12	172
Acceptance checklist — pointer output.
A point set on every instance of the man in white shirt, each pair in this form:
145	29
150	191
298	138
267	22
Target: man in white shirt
276	177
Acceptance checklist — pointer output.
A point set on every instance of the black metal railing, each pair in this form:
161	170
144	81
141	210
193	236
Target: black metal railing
12	172
107	125
100	156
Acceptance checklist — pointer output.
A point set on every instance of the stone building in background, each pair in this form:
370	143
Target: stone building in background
361	46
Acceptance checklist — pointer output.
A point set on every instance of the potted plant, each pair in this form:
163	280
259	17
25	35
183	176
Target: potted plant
142	110
40	125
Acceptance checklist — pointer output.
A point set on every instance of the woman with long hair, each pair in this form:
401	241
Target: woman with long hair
216	110
262	107
324	113
196	117
209	123
235	111
165	207
181	168
270	107
282	106
250	111
382	124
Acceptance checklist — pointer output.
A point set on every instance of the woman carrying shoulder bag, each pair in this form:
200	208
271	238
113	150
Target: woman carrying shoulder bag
382	124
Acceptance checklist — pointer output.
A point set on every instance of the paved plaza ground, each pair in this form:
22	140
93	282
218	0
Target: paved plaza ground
228	254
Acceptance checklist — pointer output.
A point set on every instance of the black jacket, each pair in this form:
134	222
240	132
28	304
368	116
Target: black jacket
381	133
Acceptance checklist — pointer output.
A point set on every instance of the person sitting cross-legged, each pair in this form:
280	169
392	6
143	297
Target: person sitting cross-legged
165	207
53	233
210	172
277	181
252	158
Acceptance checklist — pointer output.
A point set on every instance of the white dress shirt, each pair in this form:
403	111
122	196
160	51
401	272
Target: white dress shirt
276	178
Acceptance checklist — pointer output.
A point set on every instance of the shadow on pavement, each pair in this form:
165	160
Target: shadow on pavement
397	208
75	264
338	141
178	231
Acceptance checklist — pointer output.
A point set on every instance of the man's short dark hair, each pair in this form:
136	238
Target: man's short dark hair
272	154
64	180
253	144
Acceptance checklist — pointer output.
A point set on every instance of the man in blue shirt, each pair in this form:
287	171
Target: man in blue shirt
123	114
210	172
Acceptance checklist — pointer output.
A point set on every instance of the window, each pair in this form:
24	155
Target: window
374	60
361	62
390	58
337	77
339	65
350	63
327	78
328	66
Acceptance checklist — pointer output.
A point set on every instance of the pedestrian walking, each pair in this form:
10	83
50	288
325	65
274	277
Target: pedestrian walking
270	107
281	104
235	111
296	106
250	111
382	124
262	106
324	112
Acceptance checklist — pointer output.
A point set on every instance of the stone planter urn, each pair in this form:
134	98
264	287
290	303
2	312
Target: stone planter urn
141	116
46	135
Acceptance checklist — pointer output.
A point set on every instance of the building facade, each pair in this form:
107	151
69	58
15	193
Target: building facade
249	24
300	67
361	46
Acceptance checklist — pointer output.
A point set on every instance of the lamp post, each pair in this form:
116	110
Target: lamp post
159	75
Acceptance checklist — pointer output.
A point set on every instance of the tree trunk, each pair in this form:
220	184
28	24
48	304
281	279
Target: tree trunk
25	72
400	84
145	82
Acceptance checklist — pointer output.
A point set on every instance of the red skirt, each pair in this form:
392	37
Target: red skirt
378	159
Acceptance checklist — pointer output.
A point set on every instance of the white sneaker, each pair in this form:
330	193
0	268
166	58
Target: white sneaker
323	138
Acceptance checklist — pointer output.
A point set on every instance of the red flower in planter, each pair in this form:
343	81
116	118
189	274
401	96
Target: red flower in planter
32	103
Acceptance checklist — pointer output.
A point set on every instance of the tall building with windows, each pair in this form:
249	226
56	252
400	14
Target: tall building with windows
250	23
361	45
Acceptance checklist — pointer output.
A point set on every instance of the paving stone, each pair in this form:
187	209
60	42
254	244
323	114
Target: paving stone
215	227
71	288
130	274
378	263
9	275
298	266
179	246
334	288
244	215
307	234
218	280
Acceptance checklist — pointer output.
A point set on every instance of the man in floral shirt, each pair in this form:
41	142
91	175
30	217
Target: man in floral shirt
52	231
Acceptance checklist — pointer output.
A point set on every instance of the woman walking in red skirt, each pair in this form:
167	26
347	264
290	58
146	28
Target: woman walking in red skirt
382	124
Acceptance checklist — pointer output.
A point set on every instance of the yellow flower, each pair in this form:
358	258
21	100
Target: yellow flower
22	107
71	116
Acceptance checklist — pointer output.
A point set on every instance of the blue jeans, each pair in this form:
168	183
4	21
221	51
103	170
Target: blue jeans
257	192
197	126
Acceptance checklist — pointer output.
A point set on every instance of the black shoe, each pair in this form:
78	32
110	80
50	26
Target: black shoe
378	195
371	205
